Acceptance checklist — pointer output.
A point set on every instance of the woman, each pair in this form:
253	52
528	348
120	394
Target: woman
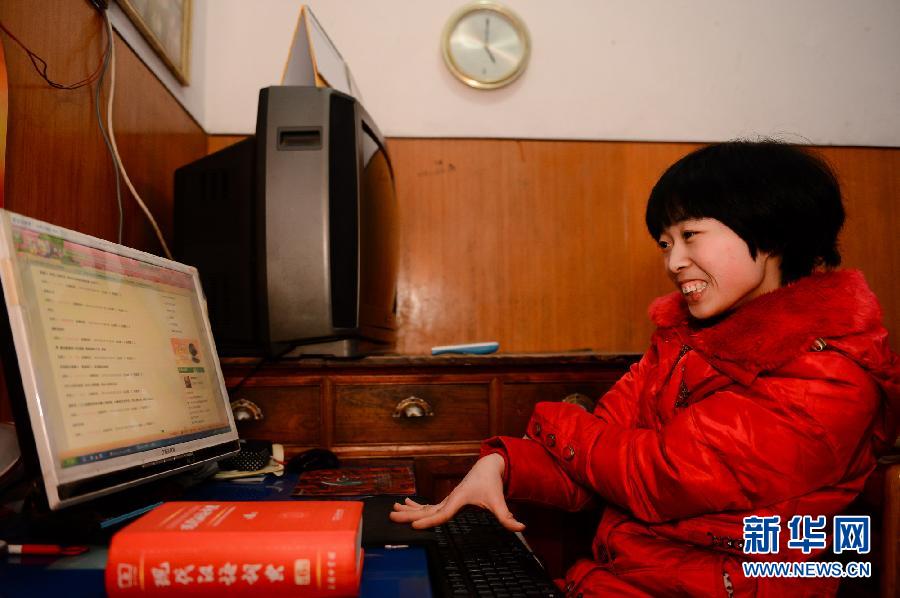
768	390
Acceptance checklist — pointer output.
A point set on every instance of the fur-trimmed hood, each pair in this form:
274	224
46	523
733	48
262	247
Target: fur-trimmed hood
836	307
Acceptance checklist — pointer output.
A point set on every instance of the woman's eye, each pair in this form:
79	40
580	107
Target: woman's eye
688	234
663	244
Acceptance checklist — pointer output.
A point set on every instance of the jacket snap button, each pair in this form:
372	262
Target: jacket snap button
551	440
537	429
568	453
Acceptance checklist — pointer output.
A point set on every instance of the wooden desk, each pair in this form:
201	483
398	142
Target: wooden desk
434	410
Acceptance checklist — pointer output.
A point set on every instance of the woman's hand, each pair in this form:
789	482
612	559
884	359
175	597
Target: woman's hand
482	487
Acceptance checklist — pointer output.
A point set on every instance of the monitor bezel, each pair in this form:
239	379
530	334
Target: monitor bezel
119	473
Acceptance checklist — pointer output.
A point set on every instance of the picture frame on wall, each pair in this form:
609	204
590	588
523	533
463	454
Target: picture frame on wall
166	25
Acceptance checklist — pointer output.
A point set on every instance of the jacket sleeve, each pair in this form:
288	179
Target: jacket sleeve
735	449
531	472
620	403
533	475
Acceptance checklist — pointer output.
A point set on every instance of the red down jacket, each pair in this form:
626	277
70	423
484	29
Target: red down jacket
778	409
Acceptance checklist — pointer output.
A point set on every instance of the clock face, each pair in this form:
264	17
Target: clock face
485	45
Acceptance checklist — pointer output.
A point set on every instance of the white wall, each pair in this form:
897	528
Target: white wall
820	71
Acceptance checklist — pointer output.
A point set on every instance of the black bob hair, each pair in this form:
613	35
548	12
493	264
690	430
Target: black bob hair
777	197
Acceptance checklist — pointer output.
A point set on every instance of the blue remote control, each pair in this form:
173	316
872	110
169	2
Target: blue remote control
468	349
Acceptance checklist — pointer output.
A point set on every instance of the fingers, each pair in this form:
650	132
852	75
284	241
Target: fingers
509	521
412	511
422	516
408	515
409	505
435	517
501	511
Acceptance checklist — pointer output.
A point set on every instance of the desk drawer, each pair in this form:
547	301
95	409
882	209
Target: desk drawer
365	414
291	414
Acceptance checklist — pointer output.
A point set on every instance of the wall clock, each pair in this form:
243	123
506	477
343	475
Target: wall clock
485	45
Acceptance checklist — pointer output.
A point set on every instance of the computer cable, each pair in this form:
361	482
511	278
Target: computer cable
258	366
40	65
97	97
112	139
107	64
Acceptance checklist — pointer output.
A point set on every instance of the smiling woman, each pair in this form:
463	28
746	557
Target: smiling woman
777	198
769	389
712	267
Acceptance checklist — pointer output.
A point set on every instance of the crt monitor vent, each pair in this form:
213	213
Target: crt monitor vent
343	212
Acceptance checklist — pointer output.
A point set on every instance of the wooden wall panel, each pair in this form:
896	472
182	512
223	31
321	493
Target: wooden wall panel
870	180
216	142
58	167
541	245
536	244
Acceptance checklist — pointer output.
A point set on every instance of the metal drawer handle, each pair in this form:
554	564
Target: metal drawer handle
245	410
583	401
413	407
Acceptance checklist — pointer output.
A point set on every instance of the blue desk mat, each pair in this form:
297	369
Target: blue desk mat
270	487
32	581
387	573
395	573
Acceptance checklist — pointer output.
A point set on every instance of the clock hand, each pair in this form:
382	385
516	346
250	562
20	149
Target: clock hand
487	37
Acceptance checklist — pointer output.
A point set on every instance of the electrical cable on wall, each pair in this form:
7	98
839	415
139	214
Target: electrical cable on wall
97	97
40	65
107	64
112	139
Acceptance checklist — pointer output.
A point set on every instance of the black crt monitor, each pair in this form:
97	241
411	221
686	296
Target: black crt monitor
300	250
109	361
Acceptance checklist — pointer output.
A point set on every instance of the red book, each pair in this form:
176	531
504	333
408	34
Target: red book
278	548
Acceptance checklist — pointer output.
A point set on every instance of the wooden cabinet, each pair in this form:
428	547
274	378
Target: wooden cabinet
433	410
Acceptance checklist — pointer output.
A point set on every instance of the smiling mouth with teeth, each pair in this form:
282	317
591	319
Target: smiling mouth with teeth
693	287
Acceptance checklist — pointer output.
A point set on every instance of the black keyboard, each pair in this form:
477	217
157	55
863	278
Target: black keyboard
480	557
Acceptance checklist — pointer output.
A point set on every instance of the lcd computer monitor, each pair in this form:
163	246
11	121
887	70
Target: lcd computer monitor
109	362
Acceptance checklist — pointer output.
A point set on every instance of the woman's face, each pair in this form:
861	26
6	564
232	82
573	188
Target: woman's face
711	266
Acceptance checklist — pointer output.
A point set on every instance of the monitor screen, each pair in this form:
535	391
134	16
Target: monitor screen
119	375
